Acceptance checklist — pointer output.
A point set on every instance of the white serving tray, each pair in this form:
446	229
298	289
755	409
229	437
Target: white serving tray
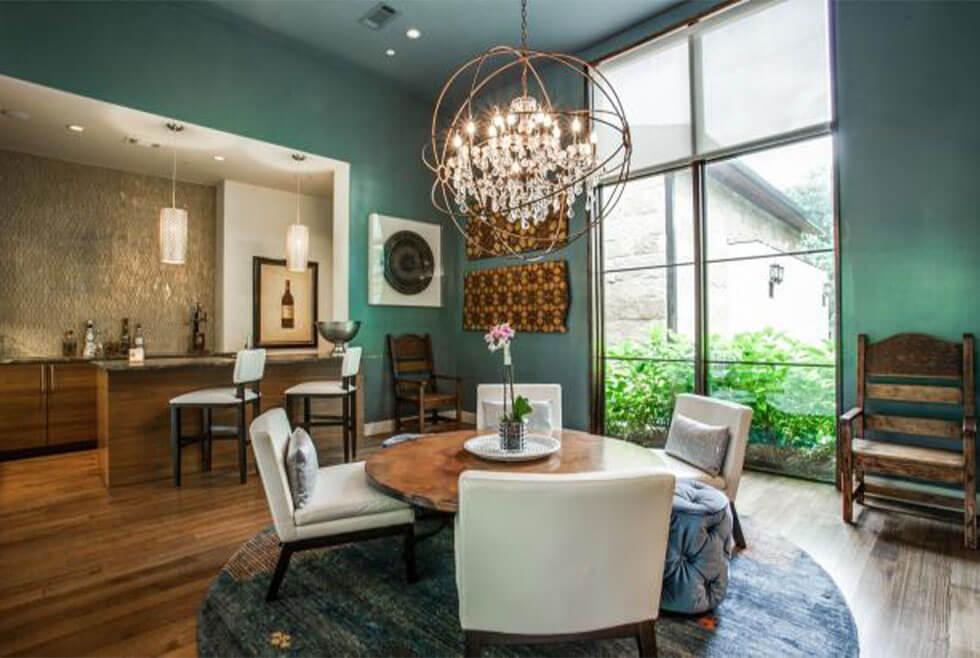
536	446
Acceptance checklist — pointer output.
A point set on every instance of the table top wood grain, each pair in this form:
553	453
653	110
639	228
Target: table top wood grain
425	472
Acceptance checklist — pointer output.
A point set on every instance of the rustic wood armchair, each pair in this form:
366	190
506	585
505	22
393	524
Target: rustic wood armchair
930	377
415	380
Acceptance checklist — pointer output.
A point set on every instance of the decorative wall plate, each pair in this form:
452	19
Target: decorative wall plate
409	264
404	262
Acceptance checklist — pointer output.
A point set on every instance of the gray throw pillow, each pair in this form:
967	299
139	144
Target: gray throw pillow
301	466
697	444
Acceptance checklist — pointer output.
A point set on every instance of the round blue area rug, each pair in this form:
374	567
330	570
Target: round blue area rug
354	601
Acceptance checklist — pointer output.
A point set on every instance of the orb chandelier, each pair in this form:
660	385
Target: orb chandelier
513	166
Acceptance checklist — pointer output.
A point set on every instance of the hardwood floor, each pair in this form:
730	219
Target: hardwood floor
86	572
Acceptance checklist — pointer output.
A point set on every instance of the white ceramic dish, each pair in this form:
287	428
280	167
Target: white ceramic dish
537	446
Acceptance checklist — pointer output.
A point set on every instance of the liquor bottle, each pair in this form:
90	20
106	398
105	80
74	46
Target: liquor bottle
124	337
288	308
138	337
89	351
69	346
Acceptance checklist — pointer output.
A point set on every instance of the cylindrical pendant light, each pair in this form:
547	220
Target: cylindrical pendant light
173	220
298	235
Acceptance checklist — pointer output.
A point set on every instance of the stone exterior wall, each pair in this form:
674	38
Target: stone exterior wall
635	237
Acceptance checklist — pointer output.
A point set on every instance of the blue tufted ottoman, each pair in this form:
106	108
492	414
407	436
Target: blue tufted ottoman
700	545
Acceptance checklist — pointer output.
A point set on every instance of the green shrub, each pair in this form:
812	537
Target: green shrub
793	406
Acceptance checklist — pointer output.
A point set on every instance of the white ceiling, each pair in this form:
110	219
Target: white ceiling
109	129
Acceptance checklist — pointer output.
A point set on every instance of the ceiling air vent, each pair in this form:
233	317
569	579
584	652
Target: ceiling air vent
378	17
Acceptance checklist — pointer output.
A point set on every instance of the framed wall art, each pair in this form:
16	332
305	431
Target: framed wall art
284	304
404	262
532	298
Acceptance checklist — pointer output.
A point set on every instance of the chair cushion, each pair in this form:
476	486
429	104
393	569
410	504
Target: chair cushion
538	421
342	492
684	471
697	444
320	388
302	467
700	545
214	396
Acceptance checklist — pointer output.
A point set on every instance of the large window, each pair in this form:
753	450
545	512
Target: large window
716	269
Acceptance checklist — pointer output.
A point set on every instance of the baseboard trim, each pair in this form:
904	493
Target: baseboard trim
387	425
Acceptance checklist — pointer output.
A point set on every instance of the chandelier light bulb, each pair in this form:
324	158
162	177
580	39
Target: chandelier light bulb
513	169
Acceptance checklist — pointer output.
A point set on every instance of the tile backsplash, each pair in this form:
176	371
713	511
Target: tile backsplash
80	243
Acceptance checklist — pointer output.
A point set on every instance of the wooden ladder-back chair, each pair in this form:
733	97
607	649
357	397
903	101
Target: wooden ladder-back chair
935	379
415	380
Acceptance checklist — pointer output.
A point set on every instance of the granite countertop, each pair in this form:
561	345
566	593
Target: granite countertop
214	360
155	361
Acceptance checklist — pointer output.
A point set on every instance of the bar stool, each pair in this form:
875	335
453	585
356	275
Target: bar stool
344	389
249	368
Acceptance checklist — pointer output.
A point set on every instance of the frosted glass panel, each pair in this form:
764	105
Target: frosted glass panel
652	83
764	73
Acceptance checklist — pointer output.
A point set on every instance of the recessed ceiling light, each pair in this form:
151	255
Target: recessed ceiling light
75	128
16	114
390	52
219	158
413	33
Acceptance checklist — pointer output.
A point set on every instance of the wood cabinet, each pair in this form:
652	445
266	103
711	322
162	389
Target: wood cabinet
47	404
71	410
23	419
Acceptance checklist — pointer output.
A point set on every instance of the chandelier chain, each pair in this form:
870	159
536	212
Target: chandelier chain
524	25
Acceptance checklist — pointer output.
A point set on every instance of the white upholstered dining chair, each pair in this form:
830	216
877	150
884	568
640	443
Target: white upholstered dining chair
540	558
343	508
545	398
713	411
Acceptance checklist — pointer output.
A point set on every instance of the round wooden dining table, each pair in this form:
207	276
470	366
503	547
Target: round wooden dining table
425	472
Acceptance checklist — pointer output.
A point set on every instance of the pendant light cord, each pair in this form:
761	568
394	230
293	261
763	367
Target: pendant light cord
173	180
297	197
524	46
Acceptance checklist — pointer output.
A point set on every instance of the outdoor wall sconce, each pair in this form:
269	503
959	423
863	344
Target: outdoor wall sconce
776	272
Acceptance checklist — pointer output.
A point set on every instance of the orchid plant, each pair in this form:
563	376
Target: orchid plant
498	339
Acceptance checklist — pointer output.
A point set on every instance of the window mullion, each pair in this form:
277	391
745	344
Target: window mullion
700	315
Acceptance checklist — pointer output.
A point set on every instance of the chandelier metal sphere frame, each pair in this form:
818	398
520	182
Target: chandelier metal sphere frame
528	159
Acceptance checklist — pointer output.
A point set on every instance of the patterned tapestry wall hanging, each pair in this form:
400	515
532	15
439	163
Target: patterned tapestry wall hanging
483	242
531	297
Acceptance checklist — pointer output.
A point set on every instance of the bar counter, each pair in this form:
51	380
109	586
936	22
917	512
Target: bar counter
134	415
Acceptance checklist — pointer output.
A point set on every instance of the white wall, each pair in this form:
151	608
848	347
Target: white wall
252	221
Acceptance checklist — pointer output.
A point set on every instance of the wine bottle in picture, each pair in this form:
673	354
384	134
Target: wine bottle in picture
288	309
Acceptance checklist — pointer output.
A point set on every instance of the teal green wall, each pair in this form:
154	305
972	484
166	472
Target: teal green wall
175	60
908	144
553	358
908	147
908	141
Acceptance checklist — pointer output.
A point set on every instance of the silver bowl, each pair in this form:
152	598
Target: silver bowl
339	333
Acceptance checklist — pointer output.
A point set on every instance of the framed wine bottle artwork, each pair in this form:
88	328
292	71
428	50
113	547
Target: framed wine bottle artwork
284	304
